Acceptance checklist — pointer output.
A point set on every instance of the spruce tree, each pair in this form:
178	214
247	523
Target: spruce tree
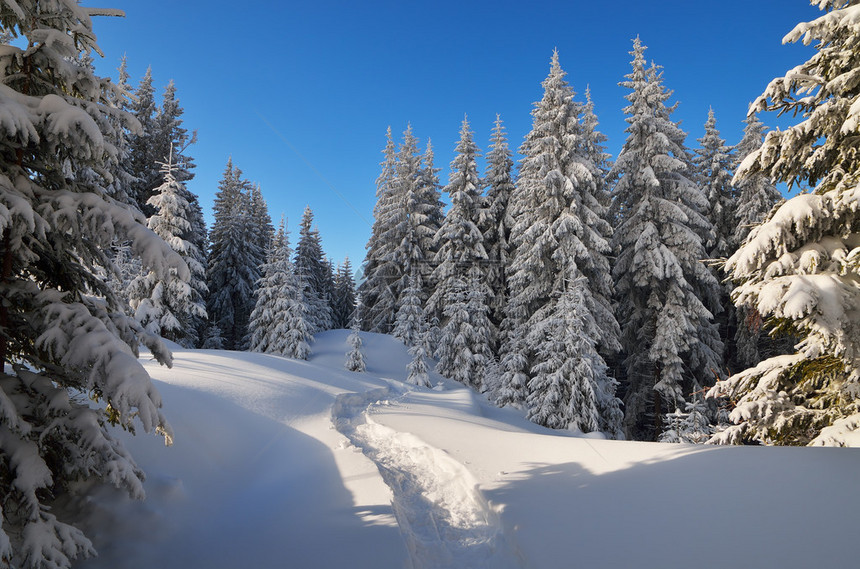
169	136
410	325
62	331
121	187
420	219
170	306
712	166
234	260
314	273
464	345
143	150
299	335
560	222
344	295
496	223
267	324
667	331
799	268
459	242
262	231
354	357
756	193
713	170
756	197
380	270
428	203
461	293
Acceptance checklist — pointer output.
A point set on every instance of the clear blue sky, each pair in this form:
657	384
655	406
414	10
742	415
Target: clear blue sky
300	93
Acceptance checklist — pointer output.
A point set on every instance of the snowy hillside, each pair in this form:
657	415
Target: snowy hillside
286	463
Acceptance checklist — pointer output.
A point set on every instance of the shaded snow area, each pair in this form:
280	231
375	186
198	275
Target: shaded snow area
283	463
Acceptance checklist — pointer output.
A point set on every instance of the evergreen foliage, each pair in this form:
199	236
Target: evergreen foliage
799	268
712	166
143	153
670	341
170	138
569	374
315	273
459	242
62	330
461	291
355	358
343	301
757	196
464	345
426	217
690	426
380	269
299	336
496	223
560	230
267	326
234	260
410	325
171	307
713	170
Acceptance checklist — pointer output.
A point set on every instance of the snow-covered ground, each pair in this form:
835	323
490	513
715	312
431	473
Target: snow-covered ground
285	463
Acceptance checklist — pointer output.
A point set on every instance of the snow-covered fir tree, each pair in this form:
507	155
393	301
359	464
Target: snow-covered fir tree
355	357
343	301
496	223
419	371
420	219
315	273
559	219
756	193
712	165
690	426
276	289
143	153
428	203
261	223
121	187
169	306
171	137
670	342
410	324
459	242
799	268
756	197
380	270
212	337
407	217
594	148
300	334
461	291
464	344
234	260
62	331
569	373
713	171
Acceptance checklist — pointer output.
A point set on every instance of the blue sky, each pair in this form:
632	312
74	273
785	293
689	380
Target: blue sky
300	94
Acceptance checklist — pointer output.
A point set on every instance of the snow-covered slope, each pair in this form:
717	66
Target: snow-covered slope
284	463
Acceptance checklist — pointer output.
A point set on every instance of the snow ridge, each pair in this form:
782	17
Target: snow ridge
443	517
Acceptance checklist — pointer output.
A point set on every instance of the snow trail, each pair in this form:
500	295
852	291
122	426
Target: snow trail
444	519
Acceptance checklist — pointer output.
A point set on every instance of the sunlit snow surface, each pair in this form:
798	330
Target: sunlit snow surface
283	463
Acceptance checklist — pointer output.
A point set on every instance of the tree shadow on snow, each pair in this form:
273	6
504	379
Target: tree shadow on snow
221	499
714	507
